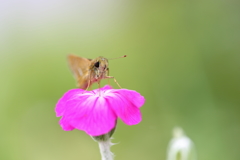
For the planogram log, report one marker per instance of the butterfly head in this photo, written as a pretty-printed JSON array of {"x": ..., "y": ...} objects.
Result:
[{"x": 100, "y": 64}]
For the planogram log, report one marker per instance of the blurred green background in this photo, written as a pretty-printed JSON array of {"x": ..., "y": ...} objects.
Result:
[{"x": 183, "y": 56}]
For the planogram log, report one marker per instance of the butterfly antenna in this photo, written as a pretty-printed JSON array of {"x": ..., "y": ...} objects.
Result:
[{"x": 118, "y": 57}]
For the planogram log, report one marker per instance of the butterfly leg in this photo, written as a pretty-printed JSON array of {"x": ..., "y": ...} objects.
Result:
[
  {"x": 88, "y": 85},
  {"x": 99, "y": 84},
  {"x": 99, "y": 91},
  {"x": 108, "y": 77}
]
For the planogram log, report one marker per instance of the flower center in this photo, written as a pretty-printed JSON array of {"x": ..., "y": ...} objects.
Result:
[{"x": 99, "y": 93}]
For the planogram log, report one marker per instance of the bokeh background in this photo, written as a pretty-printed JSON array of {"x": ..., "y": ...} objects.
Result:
[{"x": 183, "y": 56}]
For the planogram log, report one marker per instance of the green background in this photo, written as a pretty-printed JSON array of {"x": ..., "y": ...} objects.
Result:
[{"x": 183, "y": 57}]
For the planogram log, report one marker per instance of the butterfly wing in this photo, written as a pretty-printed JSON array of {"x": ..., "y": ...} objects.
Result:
[{"x": 80, "y": 69}]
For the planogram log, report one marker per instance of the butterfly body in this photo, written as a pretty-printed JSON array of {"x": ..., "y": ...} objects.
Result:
[{"x": 88, "y": 71}]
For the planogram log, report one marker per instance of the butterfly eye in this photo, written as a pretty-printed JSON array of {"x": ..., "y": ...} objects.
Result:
[{"x": 96, "y": 64}]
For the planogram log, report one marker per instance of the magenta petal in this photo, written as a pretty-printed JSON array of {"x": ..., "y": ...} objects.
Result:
[
  {"x": 136, "y": 98},
  {"x": 91, "y": 114},
  {"x": 124, "y": 103},
  {"x": 65, "y": 124},
  {"x": 106, "y": 87},
  {"x": 61, "y": 104},
  {"x": 96, "y": 111}
]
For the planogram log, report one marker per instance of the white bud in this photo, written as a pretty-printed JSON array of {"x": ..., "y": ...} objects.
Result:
[{"x": 181, "y": 147}]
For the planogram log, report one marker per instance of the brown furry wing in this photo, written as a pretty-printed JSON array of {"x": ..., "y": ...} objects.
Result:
[{"x": 80, "y": 69}]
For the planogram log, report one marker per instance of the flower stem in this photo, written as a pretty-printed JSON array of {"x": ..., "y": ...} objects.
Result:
[{"x": 104, "y": 146}]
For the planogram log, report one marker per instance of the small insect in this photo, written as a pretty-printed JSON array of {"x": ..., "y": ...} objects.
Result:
[{"x": 88, "y": 71}]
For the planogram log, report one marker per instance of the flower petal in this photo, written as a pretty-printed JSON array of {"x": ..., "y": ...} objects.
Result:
[
  {"x": 65, "y": 124},
  {"x": 61, "y": 104},
  {"x": 136, "y": 98},
  {"x": 96, "y": 111},
  {"x": 89, "y": 113},
  {"x": 105, "y": 87},
  {"x": 124, "y": 103}
]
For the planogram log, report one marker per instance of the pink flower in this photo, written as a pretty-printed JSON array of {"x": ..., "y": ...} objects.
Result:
[{"x": 96, "y": 111}]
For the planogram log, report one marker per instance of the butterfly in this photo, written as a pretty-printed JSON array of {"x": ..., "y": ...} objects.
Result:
[{"x": 89, "y": 71}]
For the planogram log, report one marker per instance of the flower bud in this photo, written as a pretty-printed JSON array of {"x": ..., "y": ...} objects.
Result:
[{"x": 181, "y": 147}]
